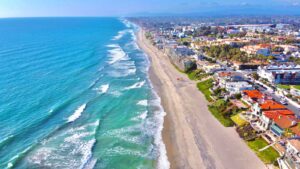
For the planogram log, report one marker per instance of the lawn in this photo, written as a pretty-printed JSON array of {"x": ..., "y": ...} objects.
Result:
[
  {"x": 238, "y": 120},
  {"x": 268, "y": 156},
  {"x": 204, "y": 88},
  {"x": 227, "y": 122},
  {"x": 297, "y": 87},
  {"x": 287, "y": 87},
  {"x": 197, "y": 74}
]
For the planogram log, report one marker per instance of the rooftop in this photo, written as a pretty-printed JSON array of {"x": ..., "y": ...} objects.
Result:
[
  {"x": 285, "y": 122},
  {"x": 271, "y": 105},
  {"x": 295, "y": 143},
  {"x": 254, "y": 94}
]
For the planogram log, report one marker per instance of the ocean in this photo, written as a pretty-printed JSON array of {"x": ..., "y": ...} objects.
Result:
[{"x": 75, "y": 94}]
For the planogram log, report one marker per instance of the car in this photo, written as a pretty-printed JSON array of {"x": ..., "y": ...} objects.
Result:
[{"x": 283, "y": 101}]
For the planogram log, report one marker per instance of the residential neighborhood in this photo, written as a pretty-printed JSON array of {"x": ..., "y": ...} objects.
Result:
[{"x": 249, "y": 74}]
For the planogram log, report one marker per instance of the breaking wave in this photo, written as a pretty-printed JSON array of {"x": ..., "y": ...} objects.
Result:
[
  {"x": 102, "y": 89},
  {"x": 143, "y": 102},
  {"x": 77, "y": 113},
  {"x": 120, "y": 34},
  {"x": 117, "y": 54},
  {"x": 136, "y": 85}
]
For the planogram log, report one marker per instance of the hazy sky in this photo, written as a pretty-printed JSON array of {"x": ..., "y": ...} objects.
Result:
[{"x": 25, "y": 8}]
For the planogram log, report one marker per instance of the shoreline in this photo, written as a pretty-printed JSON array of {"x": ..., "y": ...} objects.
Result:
[{"x": 192, "y": 136}]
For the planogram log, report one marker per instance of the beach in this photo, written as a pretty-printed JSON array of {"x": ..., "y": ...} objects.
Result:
[{"x": 193, "y": 137}]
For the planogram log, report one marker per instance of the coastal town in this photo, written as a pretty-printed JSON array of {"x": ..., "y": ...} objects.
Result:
[{"x": 249, "y": 72}]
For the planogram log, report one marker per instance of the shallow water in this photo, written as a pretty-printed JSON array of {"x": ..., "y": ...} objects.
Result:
[{"x": 75, "y": 94}]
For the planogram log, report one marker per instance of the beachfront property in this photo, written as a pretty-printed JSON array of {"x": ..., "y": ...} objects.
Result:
[
  {"x": 292, "y": 154},
  {"x": 269, "y": 119},
  {"x": 212, "y": 67},
  {"x": 237, "y": 87},
  {"x": 280, "y": 74},
  {"x": 232, "y": 82},
  {"x": 182, "y": 57}
]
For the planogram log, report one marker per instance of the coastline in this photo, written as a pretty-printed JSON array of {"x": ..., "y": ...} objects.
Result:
[{"x": 193, "y": 138}]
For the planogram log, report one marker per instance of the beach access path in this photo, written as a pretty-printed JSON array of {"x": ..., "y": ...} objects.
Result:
[{"x": 194, "y": 139}]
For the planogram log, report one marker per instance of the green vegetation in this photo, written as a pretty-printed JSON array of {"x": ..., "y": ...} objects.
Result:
[
  {"x": 268, "y": 156},
  {"x": 288, "y": 87},
  {"x": 294, "y": 59},
  {"x": 204, "y": 88},
  {"x": 255, "y": 76},
  {"x": 246, "y": 132},
  {"x": 227, "y": 122},
  {"x": 220, "y": 110},
  {"x": 227, "y": 52},
  {"x": 177, "y": 68},
  {"x": 238, "y": 120},
  {"x": 197, "y": 74}
]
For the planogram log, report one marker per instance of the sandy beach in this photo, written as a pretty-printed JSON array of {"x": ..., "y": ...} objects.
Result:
[{"x": 193, "y": 137}]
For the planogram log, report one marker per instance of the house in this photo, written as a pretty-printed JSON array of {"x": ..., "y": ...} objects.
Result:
[
  {"x": 292, "y": 155},
  {"x": 267, "y": 117},
  {"x": 237, "y": 87},
  {"x": 265, "y": 105},
  {"x": 280, "y": 74},
  {"x": 263, "y": 49},
  {"x": 212, "y": 68},
  {"x": 281, "y": 123},
  {"x": 252, "y": 96}
]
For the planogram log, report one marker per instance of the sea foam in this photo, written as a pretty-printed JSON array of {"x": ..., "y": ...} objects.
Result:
[
  {"x": 136, "y": 85},
  {"x": 103, "y": 88},
  {"x": 120, "y": 34},
  {"x": 142, "y": 102},
  {"x": 77, "y": 113},
  {"x": 117, "y": 54}
]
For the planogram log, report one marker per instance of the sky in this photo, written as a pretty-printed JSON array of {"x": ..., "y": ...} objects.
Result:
[{"x": 41, "y": 8}]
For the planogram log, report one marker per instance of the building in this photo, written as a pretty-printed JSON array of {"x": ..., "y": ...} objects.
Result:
[
  {"x": 182, "y": 57},
  {"x": 252, "y": 96},
  {"x": 280, "y": 74},
  {"x": 267, "y": 117},
  {"x": 237, "y": 87},
  {"x": 263, "y": 49},
  {"x": 212, "y": 67},
  {"x": 292, "y": 155},
  {"x": 265, "y": 105}
]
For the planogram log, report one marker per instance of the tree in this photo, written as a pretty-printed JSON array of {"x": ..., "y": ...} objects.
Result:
[
  {"x": 271, "y": 58},
  {"x": 255, "y": 76}
]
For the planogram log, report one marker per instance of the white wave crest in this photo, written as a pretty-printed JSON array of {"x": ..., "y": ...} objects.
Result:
[
  {"x": 112, "y": 46},
  {"x": 163, "y": 162},
  {"x": 120, "y": 34},
  {"x": 116, "y": 55},
  {"x": 142, "y": 116},
  {"x": 142, "y": 102},
  {"x": 77, "y": 113},
  {"x": 102, "y": 89},
  {"x": 77, "y": 142},
  {"x": 136, "y": 85}
]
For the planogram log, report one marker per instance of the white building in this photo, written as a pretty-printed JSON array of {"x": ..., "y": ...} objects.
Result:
[
  {"x": 237, "y": 87},
  {"x": 282, "y": 74}
]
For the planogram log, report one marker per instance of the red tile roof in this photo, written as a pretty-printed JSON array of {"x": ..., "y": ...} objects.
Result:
[
  {"x": 253, "y": 94},
  {"x": 285, "y": 122},
  {"x": 296, "y": 130},
  {"x": 286, "y": 112},
  {"x": 224, "y": 74},
  {"x": 295, "y": 143},
  {"x": 271, "y": 105}
]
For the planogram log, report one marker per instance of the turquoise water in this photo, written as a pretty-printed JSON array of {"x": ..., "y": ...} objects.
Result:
[{"x": 75, "y": 94}]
